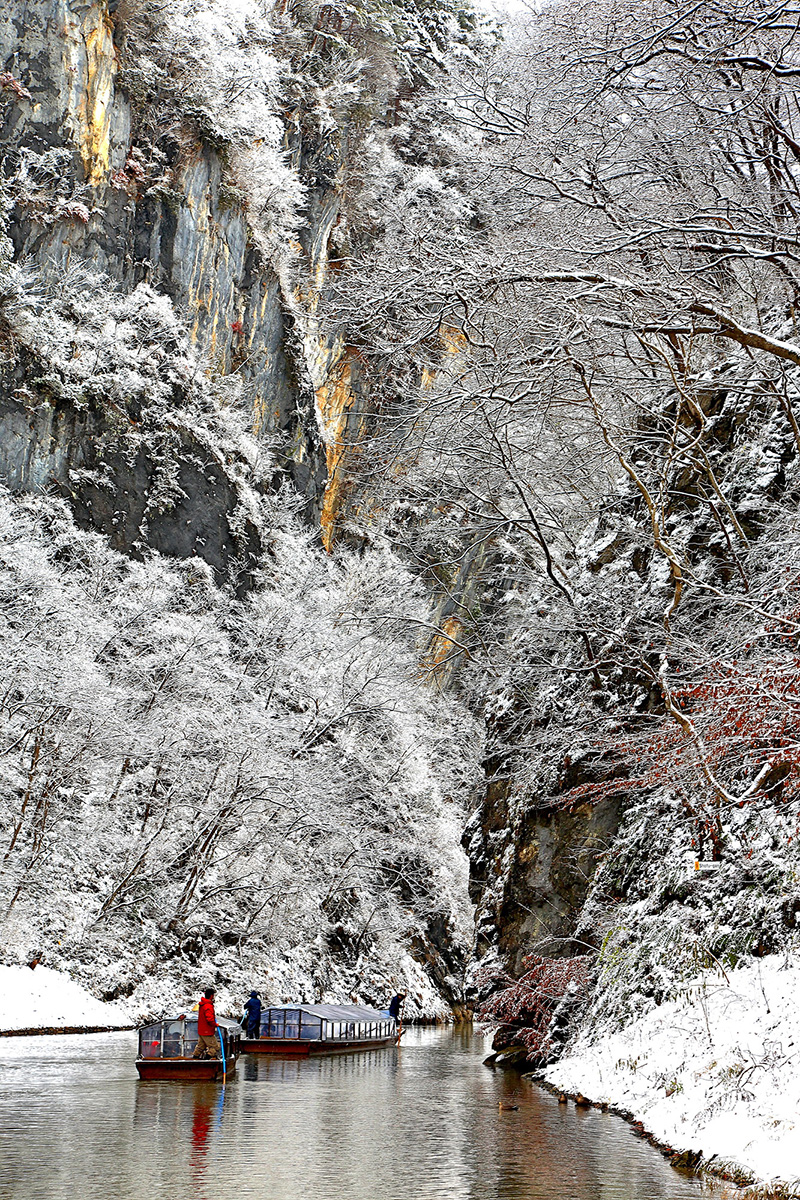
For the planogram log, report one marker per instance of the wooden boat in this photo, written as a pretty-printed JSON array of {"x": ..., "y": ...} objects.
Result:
[
  {"x": 304, "y": 1029},
  {"x": 166, "y": 1048}
]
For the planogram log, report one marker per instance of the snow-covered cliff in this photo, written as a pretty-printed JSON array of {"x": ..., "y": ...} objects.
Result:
[
  {"x": 214, "y": 766},
  {"x": 400, "y": 443}
]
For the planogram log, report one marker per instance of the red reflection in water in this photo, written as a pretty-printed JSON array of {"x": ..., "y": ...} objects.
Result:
[{"x": 201, "y": 1130}]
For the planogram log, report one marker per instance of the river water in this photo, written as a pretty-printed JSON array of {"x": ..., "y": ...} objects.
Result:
[{"x": 421, "y": 1122}]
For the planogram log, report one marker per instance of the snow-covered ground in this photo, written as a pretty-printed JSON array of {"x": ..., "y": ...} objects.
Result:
[
  {"x": 716, "y": 1070},
  {"x": 47, "y": 999}
]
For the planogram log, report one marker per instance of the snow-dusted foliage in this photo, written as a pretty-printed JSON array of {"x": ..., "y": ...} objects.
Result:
[
  {"x": 599, "y": 460},
  {"x": 228, "y": 762},
  {"x": 274, "y": 87},
  {"x": 213, "y": 67},
  {"x": 195, "y": 788},
  {"x": 129, "y": 352}
]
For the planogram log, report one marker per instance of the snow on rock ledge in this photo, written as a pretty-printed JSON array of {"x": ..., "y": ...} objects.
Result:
[
  {"x": 47, "y": 999},
  {"x": 716, "y": 1070}
]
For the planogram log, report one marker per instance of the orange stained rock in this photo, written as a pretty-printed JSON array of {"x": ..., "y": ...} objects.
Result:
[
  {"x": 260, "y": 423},
  {"x": 90, "y": 63},
  {"x": 428, "y": 378},
  {"x": 335, "y": 399},
  {"x": 443, "y": 645},
  {"x": 453, "y": 342},
  {"x": 453, "y": 339}
]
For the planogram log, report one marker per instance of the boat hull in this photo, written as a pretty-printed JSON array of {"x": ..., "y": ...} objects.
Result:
[
  {"x": 295, "y": 1048},
  {"x": 190, "y": 1069}
]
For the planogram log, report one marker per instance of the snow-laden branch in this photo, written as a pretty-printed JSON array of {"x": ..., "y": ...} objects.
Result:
[{"x": 754, "y": 338}]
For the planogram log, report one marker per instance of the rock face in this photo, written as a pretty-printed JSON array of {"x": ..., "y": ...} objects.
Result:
[
  {"x": 87, "y": 186},
  {"x": 532, "y": 869},
  {"x": 132, "y": 475}
]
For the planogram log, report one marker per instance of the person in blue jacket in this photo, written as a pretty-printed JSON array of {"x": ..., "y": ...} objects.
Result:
[
  {"x": 395, "y": 1005},
  {"x": 253, "y": 1010}
]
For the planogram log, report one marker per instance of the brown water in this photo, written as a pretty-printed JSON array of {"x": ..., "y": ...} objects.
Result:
[{"x": 418, "y": 1123}]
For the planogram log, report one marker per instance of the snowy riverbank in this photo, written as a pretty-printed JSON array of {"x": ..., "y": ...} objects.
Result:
[
  {"x": 43, "y": 999},
  {"x": 716, "y": 1071}
]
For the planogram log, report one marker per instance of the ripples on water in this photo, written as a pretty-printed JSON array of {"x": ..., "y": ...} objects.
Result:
[{"x": 418, "y": 1123}]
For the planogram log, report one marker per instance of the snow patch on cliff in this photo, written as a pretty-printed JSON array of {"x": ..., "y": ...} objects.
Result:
[
  {"x": 47, "y": 999},
  {"x": 715, "y": 1070}
]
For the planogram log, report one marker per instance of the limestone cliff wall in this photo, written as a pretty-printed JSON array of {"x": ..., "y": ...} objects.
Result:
[
  {"x": 87, "y": 187},
  {"x": 532, "y": 868}
]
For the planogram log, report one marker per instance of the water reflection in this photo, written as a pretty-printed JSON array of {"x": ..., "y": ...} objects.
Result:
[
  {"x": 419, "y": 1123},
  {"x": 201, "y": 1129}
]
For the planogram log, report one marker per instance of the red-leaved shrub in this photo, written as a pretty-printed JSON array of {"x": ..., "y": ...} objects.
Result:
[
  {"x": 526, "y": 1011},
  {"x": 727, "y": 738}
]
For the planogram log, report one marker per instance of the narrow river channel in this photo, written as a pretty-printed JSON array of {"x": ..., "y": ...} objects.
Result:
[{"x": 419, "y": 1123}]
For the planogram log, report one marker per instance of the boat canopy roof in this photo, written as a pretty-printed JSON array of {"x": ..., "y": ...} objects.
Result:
[
  {"x": 331, "y": 1012},
  {"x": 190, "y": 1016}
]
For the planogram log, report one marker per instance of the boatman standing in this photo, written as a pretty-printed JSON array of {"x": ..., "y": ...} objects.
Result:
[
  {"x": 207, "y": 1040},
  {"x": 253, "y": 1010},
  {"x": 396, "y": 1004}
]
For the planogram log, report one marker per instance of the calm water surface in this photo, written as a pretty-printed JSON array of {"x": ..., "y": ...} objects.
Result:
[{"x": 418, "y": 1123}]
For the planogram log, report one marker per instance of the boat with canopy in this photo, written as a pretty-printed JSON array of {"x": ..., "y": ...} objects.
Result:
[
  {"x": 304, "y": 1029},
  {"x": 166, "y": 1049}
]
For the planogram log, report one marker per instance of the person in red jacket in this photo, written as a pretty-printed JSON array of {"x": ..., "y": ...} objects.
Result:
[{"x": 207, "y": 1039}]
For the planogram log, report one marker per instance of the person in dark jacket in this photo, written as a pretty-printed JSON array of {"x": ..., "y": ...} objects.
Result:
[
  {"x": 395, "y": 1004},
  {"x": 253, "y": 1010},
  {"x": 207, "y": 1041}
]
